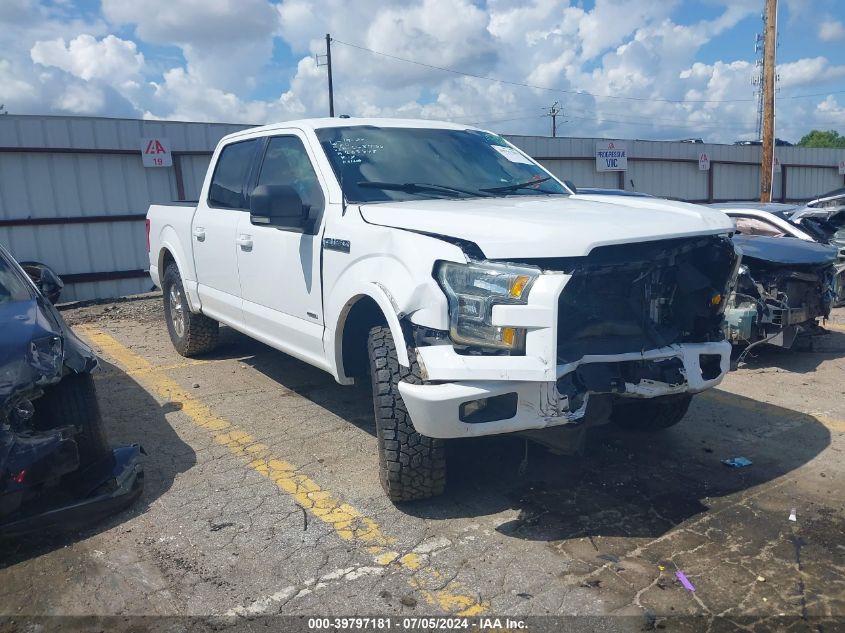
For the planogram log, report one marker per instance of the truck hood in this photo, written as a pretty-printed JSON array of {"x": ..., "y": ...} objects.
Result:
[{"x": 549, "y": 226}]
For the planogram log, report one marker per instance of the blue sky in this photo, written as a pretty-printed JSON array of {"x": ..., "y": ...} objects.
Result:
[{"x": 666, "y": 69}]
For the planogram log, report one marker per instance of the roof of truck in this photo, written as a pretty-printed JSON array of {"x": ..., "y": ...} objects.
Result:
[{"x": 328, "y": 122}]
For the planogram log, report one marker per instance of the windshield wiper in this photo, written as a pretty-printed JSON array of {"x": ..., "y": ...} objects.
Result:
[
  {"x": 415, "y": 187},
  {"x": 520, "y": 185}
]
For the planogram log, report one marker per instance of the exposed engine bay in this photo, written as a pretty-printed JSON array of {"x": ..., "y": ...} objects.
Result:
[
  {"x": 647, "y": 295},
  {"x": 783, "y": 287}
]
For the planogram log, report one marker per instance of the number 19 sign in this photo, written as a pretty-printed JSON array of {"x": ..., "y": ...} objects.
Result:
[
  {"x": 611, "y": 156},
  {"x": 155, "y": 152}
]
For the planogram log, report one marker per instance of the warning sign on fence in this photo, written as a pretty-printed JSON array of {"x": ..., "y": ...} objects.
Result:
[{"x": 155, "y": 152}]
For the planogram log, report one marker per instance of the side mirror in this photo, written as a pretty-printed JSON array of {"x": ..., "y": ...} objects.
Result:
[
  {"x": 48, "y": 282},
  {"x": 279, "y": 206},
  {"x": 570, "y": 185}
]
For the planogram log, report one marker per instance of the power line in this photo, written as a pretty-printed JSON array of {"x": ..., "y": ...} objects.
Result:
[{"x": 563, "y": 90}]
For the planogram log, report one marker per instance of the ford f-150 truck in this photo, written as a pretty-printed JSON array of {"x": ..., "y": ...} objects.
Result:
[{"x": 459, "y": 276}]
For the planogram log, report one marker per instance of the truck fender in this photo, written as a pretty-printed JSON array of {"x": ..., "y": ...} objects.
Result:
[
  {"x": 386, "y": 304},
  {"x": 169, "y": 241}
]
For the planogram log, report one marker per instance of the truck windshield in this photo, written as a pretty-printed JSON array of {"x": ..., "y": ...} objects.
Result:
[{"x": 378, "y": 164}]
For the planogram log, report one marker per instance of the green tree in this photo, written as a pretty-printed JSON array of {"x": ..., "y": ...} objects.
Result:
[{"x": 819, "y": 138}]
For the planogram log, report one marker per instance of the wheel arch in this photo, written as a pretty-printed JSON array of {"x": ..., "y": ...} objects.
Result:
[
  {"x": 367, "y": 308},
  {"x": 171, "y": 251}
]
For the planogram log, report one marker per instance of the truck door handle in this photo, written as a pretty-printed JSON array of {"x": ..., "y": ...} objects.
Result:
[
  {"x": 199, "y": 233},
  {"x": 245, "y": 242}
]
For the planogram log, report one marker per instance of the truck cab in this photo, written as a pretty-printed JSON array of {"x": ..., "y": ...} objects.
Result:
[{"x": 453, "y": 272}]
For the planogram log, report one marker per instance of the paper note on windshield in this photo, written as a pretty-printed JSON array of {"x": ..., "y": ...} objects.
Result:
[{"x": 512, "y": 155}]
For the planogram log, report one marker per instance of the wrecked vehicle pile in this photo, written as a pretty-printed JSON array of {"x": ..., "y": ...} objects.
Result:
[
  {"x": 56, "y": 468},
  {"x": 783, "y": 287},
  {"x": 786, "y": 282}
]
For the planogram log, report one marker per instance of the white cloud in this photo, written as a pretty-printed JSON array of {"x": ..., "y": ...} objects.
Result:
[
  {"x": 831, "y": 30},
  {"x": 830, "y": 113},
  {"x": 226, "y": 43},
  {"x": 210, "y": 59},
  {"x": 110, "y": 58}
]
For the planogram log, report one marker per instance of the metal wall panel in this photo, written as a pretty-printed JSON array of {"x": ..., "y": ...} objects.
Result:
[
  {"x": 193, "y": 174},
  {"x": 582, "y": 173},
  {"x": 40, "y": 185},
  {"x": 808, "y": 182}
]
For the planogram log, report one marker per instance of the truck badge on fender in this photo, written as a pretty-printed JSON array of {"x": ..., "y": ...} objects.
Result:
[{"x": 334, "y": 244}]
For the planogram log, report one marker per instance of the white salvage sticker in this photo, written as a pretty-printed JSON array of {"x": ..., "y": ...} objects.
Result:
[
  {"x": 155, "y": 152},
  {"x": 512, "y": 155}
]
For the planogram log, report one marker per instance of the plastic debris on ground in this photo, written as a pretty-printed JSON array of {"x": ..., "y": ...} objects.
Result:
[
  {"x": 737, "y": 462},
  {"x": 684, "y": 580},
  {"x": 793, "y": 515}
]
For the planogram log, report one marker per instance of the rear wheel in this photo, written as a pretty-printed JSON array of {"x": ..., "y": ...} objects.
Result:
[
  {"x": 654, "y": 414},
  {"x": 191, "y": 334},
  {"x": 411, "y": 466}
]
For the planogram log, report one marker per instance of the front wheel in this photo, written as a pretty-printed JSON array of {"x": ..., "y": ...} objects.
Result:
[
  {"x": 411, "y": 466},
  {"x": 74, "y": 401},
  {"x": 655, "y": 414},
  {"x": 191, "y": 334}
]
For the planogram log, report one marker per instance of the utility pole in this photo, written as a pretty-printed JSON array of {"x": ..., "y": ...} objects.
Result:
[
  {"x": 553, "y": 112},
  {"x": 329, "y": 64},
  {"x": 768, "y": 148}
]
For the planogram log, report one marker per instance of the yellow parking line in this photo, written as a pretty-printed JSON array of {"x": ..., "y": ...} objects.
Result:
[
  {"x": 764, "y": 408},
  {"x": 137, "y": 372},
  {"x": 347, "y": 522}
]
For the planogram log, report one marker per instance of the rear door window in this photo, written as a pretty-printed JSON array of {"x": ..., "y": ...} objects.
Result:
[{"x": 228, "y": 184}]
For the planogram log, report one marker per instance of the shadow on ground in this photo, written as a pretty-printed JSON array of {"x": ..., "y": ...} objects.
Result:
[
  {"x": 808, "y": 353},
  {"x": 625, "y": 484},
  {"x": 130, "y": 416}
]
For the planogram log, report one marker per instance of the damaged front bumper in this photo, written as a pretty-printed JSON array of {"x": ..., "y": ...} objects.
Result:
[
  {"x": 636, "y": 320},
  {"x": 471, "y": 408},
  {"x": 95, "y": 493}
]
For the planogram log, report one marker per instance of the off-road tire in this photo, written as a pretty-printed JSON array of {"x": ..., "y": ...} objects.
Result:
[
  {"x": 655, "y": 414},
  {"x": 200, "y": 333},
  {"x": 411, "y": 466},
  {"x": 74, "y": 401}
]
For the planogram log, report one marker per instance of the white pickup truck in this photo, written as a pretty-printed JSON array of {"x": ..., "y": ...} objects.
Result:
[{"x": 459, "y": 276}]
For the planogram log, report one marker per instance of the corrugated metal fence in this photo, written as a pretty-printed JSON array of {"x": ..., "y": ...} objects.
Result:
[
  {"x": 74, "y": 193},
  {"x": 73, "y": 190}
]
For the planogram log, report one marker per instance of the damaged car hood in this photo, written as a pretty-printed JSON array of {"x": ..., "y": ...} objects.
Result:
[
  {"x": 549, "y": 226},
  {"x": 785, "y": 250}
]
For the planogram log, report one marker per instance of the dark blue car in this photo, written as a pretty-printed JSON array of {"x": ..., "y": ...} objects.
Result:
[{"x": 57, "y": 470}]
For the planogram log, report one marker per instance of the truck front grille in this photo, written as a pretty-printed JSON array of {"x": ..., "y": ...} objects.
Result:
[{"x": 634, "y": 297}]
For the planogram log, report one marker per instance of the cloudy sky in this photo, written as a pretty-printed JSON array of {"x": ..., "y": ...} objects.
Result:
[{"x": 658, "y": 69}]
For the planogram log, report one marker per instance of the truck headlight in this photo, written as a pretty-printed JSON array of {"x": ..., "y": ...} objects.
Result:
[{"x": 473, "y": 289}]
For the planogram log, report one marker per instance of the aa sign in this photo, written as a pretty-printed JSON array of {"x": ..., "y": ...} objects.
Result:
[
  {"x": 704, "y": 161},
  {"x": 842, "y": 167},
  {"x": 155, "y": 152}
]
